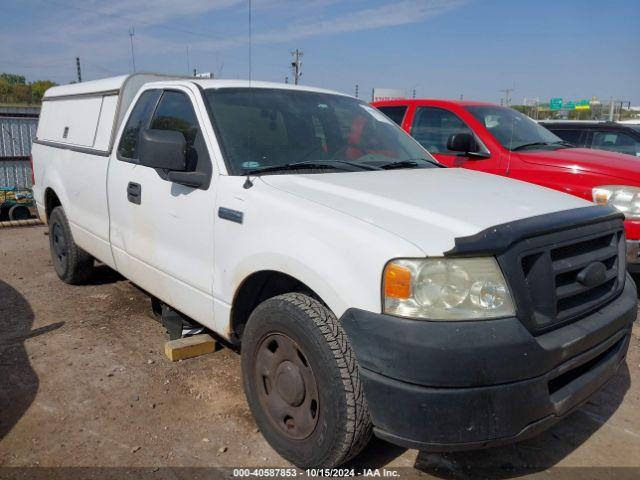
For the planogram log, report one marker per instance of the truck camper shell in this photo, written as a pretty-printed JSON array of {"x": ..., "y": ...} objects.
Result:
[{"x": 85, "y": 116}]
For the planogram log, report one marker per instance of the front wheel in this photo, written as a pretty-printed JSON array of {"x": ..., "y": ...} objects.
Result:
[
  {"x": 72, "y": 264},
  {"x": 302, "y": 383}
]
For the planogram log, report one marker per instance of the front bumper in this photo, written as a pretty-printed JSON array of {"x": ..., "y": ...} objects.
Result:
[
  {"x": 463, "y": 385},
  {"x": 633, "y": 256}
]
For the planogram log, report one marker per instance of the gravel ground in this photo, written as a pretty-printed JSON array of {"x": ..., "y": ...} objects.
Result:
[{"x": 84, "y": 383}]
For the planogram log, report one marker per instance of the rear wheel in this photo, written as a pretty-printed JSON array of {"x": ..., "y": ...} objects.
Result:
[
  {"x": 302, "y": 383},
  {"x": 72, "y": 264}
]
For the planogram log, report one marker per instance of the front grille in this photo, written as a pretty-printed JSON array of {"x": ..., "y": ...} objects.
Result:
[{"x": 543, "y": 272}]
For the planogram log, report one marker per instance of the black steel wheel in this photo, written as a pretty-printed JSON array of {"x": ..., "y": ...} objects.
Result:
[
  {"x": 286, "y": 386},
  {"x": 72, "y": 264},
  {"x": 302, "y": 382}
]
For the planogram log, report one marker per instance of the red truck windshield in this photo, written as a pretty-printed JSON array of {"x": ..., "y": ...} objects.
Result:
[{"x": 514, "y": 130}]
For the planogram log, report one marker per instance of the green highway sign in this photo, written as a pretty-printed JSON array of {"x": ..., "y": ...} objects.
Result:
[
  {"x": 570, "y": 105},
  {"x": 555, "y": 104},
  {"x": 582, "y": 105}
]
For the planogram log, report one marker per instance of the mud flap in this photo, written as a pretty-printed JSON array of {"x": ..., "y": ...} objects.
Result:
[{"x": 177, "y": 325}]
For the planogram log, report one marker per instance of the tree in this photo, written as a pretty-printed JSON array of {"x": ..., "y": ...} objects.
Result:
[
  {"x": 15, "y": 89},
  {"x": 5, "y": 88},
  {"x": 39, "y": 87},
  {"x": 13, "y": 79},
  {"x": 22, "y": 93}
]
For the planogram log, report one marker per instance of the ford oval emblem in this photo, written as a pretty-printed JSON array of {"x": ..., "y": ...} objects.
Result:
[{"x": 592, "y": 275}]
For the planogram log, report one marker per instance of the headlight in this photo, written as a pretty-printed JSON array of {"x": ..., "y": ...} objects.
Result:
[
  {"x": 626, "y": 199},
  {"x": 446, "y": 289}
]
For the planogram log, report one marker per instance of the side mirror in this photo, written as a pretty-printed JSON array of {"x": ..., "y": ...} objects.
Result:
[
  {"x": 462, "y": 142},
  {"x": 163, "y": 149},
  {"x": 466, "y": 143}
]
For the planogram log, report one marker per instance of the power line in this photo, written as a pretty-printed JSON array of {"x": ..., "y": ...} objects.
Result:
[{"x": 135, "y": 20}]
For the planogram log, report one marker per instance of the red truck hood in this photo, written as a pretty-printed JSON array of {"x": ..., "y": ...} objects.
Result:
[{"x": 609, "y": 164}]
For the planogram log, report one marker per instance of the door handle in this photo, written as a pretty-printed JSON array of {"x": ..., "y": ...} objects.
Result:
[{"x": 134, "y": 193}]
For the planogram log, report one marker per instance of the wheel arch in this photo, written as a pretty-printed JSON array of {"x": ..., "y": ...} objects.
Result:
[
  {"x": 51, "y": 201},
  {"x": 258, "y": 287}
]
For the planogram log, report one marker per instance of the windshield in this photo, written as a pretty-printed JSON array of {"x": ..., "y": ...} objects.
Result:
[
  {"x": 262, "y": 128},
  {"x": 513, "y": 129}
]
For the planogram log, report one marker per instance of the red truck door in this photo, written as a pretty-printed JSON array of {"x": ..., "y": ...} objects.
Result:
[{"x": 432, "y": 127}]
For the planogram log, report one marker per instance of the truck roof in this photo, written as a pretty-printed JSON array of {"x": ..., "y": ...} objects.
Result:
[
  {"x": 223, "y": 83},
  {"x": 432, "y": 101},
  {"x": 116, "y": 84}
]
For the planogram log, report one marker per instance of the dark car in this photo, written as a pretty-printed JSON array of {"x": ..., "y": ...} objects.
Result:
[{"x": 612, "y": 136}]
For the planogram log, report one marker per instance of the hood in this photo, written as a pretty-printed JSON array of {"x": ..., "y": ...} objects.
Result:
[
  {"x": 610, "y": 164},
  {"x": 427, "y": 207}
]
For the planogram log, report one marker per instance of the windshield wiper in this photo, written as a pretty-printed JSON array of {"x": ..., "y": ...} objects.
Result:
[
  {"x": 564, "y": 144},
  {"x": 311, "y": 164},
  {"x": 560, "y": 143},
  {"x": 532, "y": 144},
  {"x": 409, "y": 163}
]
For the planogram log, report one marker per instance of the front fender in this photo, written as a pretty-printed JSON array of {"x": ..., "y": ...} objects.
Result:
[{"x": 341, "y": 258}]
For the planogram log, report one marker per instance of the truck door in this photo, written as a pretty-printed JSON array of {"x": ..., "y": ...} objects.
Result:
[
  {"x": 433, "y": 126},
  {"x": 161, "y": 232}
]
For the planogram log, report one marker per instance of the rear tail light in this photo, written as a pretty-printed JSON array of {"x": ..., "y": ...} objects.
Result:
[{"x": 33, "y": 173}]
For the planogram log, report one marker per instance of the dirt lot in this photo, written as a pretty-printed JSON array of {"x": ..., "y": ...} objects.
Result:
[{"x": 84, "y": 382}]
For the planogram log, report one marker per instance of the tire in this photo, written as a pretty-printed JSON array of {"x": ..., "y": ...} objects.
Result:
[
  {"x": 72, "y": 264},
  {"x": 19, "y": 212},
  {"x": 294, "y": 337}
]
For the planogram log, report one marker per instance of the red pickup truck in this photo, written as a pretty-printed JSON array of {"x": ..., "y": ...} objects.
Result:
[{"x": 502, "y": 141}]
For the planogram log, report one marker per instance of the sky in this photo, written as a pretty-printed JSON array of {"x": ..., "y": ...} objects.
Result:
[{"x": 573, "y": 49}]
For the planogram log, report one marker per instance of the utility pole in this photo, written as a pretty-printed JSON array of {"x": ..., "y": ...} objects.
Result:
[
  {"x": 78, "y": 69},
  {"x": 132, "y": 33},
  {"x": 296, "y": 65},
  {"x": 611, "y": 109},
  {"x": 507, "y": 95}
]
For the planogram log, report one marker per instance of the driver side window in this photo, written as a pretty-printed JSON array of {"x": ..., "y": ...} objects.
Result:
[
  {"x": 175, "y": 112},
  {"x": 432, "y": 128}
]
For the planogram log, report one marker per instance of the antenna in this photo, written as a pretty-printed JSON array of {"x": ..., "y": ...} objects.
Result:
[
  {"x": 250, "y": 59},
  {"x": 248, "y": 183},
  {"x": 188, "y": 64},
  {"x": 132, "y": 33}
]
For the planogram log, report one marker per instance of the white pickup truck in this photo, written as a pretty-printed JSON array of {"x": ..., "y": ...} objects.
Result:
[{"x": 367, "y": 288}]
